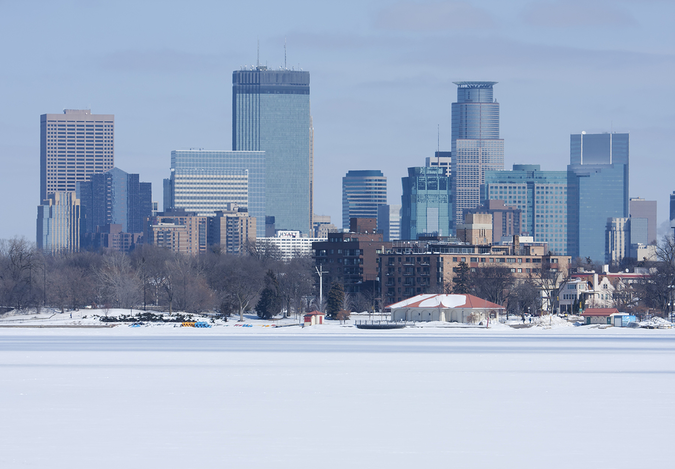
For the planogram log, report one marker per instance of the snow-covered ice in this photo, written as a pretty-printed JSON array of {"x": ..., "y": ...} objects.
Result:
[{"x": 334, "y": 397}]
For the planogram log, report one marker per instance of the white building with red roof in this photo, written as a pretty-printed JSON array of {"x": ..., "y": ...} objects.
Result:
[{"x": 445, "y": 307}]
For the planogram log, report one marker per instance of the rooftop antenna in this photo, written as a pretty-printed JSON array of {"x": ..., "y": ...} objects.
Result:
[
  {"x": 284, "y": 53},
  {"x": 258, "y": 58}
]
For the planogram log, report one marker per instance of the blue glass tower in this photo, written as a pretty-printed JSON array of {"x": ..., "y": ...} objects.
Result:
[
  {"x": 362, "y": 193},
  {"x": 114, "y": 197},
  {"x": 542, "y": 198},
  {"x": 426, "y": 203},
  {"x": 476, "y": 146},
  {"x": 598, "y": 190},
  {"x": 270, "y": 113}
]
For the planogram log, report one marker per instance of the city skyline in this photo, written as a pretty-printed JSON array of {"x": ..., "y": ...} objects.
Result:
[{"x": 381, "y": 83}]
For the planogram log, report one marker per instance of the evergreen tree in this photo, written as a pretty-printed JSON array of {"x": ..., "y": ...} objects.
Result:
[
  {"x": 461, "y": 283},
  {"x": 270, "y": 302},
  {"x": 335, "y": 300}
]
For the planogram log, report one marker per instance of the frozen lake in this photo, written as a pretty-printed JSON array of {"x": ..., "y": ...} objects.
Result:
[{"x": 298, "y": 399}]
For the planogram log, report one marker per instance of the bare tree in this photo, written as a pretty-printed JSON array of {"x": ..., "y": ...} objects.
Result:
[
  {"x": 492, "y": 283},
  {"x": 118, "y": 283},
  {"x": 19, "y": 267}
]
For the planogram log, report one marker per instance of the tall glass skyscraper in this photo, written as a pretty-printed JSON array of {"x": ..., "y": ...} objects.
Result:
[
  {"x": 476, "y": 146},
  {"x": 362, "y": 193},
  {"x": 426, "y": 203},
  {"x": 598, "y": 190},
  {"x": 270, "y": 113}
]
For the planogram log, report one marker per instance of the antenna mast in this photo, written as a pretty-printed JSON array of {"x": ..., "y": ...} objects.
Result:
[
  {"x": 258, "y": 56},
  {"x": 285, "y": 53}
]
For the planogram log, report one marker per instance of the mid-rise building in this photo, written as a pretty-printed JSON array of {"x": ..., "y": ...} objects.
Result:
[
  {"x": 426, "y": 203},
  {"x": 597, "y": 190},
  {"x": 362, "y": 193},
  {"x": 672, "y": 212},
  {"x": 58, "y": 223},
  {"x": 351, "y": 259},
  {"x": 541, "y": 197},
  {"x": 207, "y": 181},
  {"x": 410, "y": 268},
  {"x": 271, "y": 113},
  {"x": 233, "y": 230},
  {"x": 476, "y": 146},
  {"x": 506, "y": 220},
  {"x": 182, "y": 232},
  {"x": 74, "y": 145},
  {"x": 288, "y": 244},
  {"x": 641, "y": 208}
]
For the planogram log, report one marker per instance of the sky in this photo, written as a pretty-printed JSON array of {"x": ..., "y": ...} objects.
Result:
[{"x": 382, "y": 78}]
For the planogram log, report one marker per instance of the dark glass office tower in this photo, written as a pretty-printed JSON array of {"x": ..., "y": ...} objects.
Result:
[
  {"x": 362, "y": 193},
  {"x": 270, "y": 113},
  {"x": 114, "y": 197},
  {"x": 476, "y": 146},
  {"x": 598, "y": 190}
]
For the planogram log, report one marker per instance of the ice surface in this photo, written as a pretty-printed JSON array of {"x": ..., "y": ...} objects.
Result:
[{"x": 336, "y": 397}]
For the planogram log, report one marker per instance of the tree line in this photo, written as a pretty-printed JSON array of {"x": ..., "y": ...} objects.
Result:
[{"x": 151, "y": 278}]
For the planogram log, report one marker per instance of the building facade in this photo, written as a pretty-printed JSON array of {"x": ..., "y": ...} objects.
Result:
[
  {"x": 58, "y": 223},
  {"x": 207, "y": 181},
  {"x": 541, "y": 197},
  {"x": 506, "y": 220},
  {"x": 426, "y": 203},
  {"x": 442, "y": 159},
  {"x": 362, "y": 193},
  {"x": 641, "y": 208},
  {"x": 597, "y": 190},
  {"x": 288, "y": 244},
  {"x": 74, "y": 145},
  {"x": 271, "y": 113},
  {"x": 182, "y": 232},
  {"x": 476, "y": 146},
  {"x": 389, "y": 222},
  {"x": 233, "y": 230},
  {"x": 113, "y": 198}
]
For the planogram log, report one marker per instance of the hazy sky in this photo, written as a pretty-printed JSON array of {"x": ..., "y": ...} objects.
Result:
[{"x": 381, "y": 81}]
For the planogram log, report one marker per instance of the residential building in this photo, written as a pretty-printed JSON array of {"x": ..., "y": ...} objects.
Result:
[
  {"x": 351, "y": 259},
  {"x": 641, "y": 208},
  {"x": 207, "y": 181},
  {"x": 111, "y": 237},
  {"x": 363, "y": 192},
  {"x": 74, "y": 145},
  {"x": 182, "y": 232},
  {"x": 506, "y": 220},
  {"x": 389, "y": 222},
  {"x": 232, "y": 229},
  {"x": 426, "y": 203},
  {"x": 541, "y": 197},
  {"x": 597, "y": 190},
  {"x": 113, "y": 198},
  {"x": 271, "y": 113},
  {"x": 409, "y": 268},
  {"x": 58, "y": 223},
  {"x": 476, "y": 146}
]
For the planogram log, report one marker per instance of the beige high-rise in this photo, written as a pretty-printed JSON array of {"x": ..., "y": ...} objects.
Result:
[{"x": 74, "y": 145}]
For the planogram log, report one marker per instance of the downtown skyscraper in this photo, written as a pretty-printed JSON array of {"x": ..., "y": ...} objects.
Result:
[
  {"x": 271, "y": 113},
  {"x": 598, "y": 190},
  {"x": 363, "y": 191},
  {"x": 476, "y": 146},
  {"x": 74, "y": 145}
]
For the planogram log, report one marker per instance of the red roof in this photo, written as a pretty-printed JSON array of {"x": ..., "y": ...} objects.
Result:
[
  {"x": 314, "y": 313},
  {"x": 445, "y": 301},
  {"x": 600, "y": 311}
]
